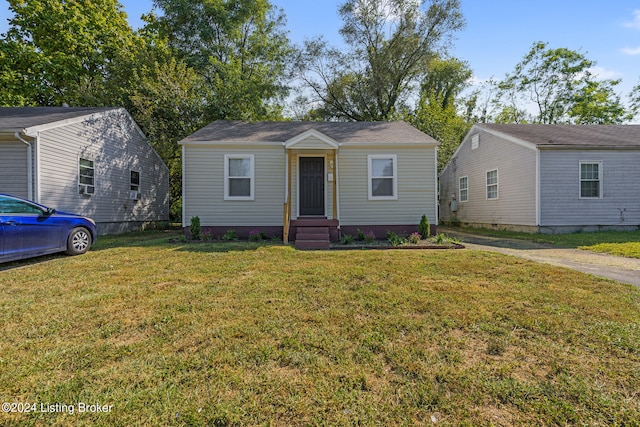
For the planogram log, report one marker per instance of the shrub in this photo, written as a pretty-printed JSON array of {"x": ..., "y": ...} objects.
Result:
[
  {"x": 369, "y": 236},
  {"x": 395, "y": 239},
  {"x": 346, "y": 239},
  {"x": 230, "y": 235},
  {"x": 360, "y": 235},
  {"x": 424, "y": 228},
  {"x": 194, "y": 229},
  {"x": 256, "y": 236},
  {"x": 415, "y": 238}
]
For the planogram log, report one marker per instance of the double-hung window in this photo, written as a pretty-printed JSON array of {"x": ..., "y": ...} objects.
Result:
[
  {"x": 464, "y": 189},
  {"x": 238, "y": 177},
  {"x": 135, "y": 181},
  {"x": 492, "y": 184},
  {"x": 590, "y": 180},
  {"x": 86, "y": 176},
  {"x": 383, "y": 177}
]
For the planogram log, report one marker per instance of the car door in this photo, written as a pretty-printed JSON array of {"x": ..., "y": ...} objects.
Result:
[{"x": 28, "y": 229}]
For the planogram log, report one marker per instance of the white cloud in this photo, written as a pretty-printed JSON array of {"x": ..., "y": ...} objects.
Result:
[
  {"x": 636, "y": 20},
  {"x": 604, "y": 74},
  {"x": 631, "y": 50}
]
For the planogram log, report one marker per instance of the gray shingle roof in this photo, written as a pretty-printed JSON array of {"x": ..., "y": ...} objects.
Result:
[
  {"x": 365, "y": 132},
  {"x": 572, "y": 135},
  {"x": 17, "y": 118}
]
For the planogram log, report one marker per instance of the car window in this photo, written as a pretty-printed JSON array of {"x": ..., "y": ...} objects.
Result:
[{"x": 13, "y": 206}]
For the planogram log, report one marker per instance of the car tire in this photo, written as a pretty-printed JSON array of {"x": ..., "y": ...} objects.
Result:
[{"x": 79, "y": 241}]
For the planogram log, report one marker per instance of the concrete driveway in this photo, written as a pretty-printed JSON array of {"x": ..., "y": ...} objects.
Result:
[{"x": 625, "y": 270}]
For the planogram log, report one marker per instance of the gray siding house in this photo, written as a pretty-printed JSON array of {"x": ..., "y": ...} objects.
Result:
[
  {"x": 91, "y": 161},
  {"x": 544, "y": 178},
  {"x": 308, "y": 181}
]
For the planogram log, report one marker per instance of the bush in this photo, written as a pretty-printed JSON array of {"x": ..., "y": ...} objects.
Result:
[
  {"x": 346, "y": 239},
  {"x": 424, "y": 228},
  {"x": 194, "y": 229},
  {"x": 395, "y": 239},
  {"x": 256, "y": 236},
  {"x": 360, "y": 235},
  {"x": 230, "y": 235},
  {"x": 415, "y": 238},
  {"x": 369, "y": 236}
]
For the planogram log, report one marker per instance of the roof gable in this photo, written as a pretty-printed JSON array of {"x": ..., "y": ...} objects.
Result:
[{"x": 311, "y": 139}]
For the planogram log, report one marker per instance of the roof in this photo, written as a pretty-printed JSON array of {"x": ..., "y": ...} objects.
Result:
[
  {"x": 16, "y": 119},
  {"x": 546, "y": 136},
  {"x": 364, "y": 132}
]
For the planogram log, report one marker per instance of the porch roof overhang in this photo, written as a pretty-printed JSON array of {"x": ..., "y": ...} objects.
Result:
[{"x": 311, "y": 139}]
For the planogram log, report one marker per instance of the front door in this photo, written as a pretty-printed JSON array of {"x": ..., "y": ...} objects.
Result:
[{"x": 311, "y": 186}]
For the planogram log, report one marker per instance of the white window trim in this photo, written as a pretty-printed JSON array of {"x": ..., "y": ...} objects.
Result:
[
  {"x": 600, "y": 179},
  {"x": 139, "y": 180},
  {"x": 228, "y": 157},
  {"x": 394, "y": 177},
  {"x": 497, "y": 184},
  {"x": 94, "y": 175},
  {"x": 460, "y": 189}
]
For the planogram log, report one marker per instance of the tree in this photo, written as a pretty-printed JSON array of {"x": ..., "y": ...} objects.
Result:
[
  {"x": 238, "y": 47},
  {"x": 62, "y": 51},
  {"x": 559, "y": 85},
  {"x": 390, "y": 44}
]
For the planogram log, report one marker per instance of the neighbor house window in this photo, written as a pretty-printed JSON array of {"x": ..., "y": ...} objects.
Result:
[
  {"x": 383, "y": 178},
  {"x": 492, "y": 184},
  {"x": 135, "y": 181},
  {"x": 238, "y": 176},
  {"x": 464, "y": 189},
  {"x": 86, "y": 176},
  {"x": 590, "y": 180}
]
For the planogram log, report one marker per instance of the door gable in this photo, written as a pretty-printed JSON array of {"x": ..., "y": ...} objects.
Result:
[{"x": 311, "y": 139}]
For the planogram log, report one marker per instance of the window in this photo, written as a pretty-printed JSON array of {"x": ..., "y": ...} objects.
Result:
[
  {"x": 135, "y": 181},
  {"x": 86, "y": 177},
  {"x": 590, "y": 181},
  {"x": 464, "y": 189},
  {"x": 13, "y": 206},
  {"x": 492, "y": 184},
  {"x": 238, "y": 177},
  {"x": 383, "y": 182}
]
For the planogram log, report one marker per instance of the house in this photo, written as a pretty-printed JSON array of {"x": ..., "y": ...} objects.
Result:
[
  {"x": 308, "y": 181},
  {"x": 544, "y": 178},
  {"x": 91, "y": 161}
]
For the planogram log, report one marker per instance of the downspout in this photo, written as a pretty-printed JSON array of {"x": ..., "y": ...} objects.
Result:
[{"x": 29, "y": 165}]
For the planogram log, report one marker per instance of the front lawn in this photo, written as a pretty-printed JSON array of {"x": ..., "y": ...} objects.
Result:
[
  {"x": 619, "y": 243},
  {"x": 261, "y": 334}
]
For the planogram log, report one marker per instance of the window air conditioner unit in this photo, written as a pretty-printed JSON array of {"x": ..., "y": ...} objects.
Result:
[
  {"x": 134, "y": 195},
  {"x": 83, "y": 189}
]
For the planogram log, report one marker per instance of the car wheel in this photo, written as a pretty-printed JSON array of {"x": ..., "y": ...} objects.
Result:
[{"x": 79, "y": 241}]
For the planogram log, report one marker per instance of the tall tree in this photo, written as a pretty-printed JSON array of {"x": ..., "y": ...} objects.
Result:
[
  {"x": 239, "y": 47},
  {"x": 559, "y": 85},
  {"x": 62, "y": 51},
  {"x": 390, "y": 44}
]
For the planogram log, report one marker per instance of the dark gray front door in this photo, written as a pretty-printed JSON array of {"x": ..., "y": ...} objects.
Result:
[{"x": 311, "y": 186}]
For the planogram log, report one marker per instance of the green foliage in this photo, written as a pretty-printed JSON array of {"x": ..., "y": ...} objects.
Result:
[
  {"x": 194, "y": 228},
  {"x": 415, "y": 237},
  {"x": 394, "y": 239},
  {"x": 346, "y": 239},
  {"x": 360, "y": 236},
  {"x": 562, "y": 88},
  {"x": 230, "y": 235},
  {"x": 256, "y": 236},
  {"x": 369, "y": 237},
  {"x": 424, "y": 228},
  {"x": 390, "y": 44}
]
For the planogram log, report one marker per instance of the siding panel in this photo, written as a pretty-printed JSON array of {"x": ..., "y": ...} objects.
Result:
[{"x": 14, "y": 169}]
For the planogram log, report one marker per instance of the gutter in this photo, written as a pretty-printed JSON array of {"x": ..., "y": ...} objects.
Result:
[{"x": 29, "y": 164}]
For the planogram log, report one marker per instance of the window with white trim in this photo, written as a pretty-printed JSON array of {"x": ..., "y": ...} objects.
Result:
[
  {"x": 383, "y": 179},
  {"x": 590, "y": 180},
  {"x": 86, "y": 176},
  {"x": 464, "y": 189},
  {"x": 492, "y": 184},
  {"x": 135, "y": 181},
  {"x": 238, "y": 176}
]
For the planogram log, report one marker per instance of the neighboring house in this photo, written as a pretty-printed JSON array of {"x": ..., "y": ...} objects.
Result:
[
  {"x": 544, "y": 178},
  {"x": 91, "y": 161},
  {"x": 308, "y": 180}
]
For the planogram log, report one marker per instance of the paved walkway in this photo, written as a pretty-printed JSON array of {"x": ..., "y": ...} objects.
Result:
[{"x": 626, "y": 270}]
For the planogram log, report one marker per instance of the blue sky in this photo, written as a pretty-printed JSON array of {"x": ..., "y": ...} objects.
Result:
[{"x": 498, "y": 32}]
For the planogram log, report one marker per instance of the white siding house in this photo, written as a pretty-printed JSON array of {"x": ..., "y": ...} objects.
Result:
[
  {"x": 548, "y": 178},
  {"x": 91, "y": 161},
  {"x": 280, "y": 177}
]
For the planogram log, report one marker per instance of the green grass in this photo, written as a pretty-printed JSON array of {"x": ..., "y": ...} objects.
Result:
[
  {"x": 620, "y": 243},
  {"x": 260, "y": 334}
]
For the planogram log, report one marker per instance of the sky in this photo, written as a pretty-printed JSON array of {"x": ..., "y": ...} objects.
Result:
[{"x": 498, "y": 33}]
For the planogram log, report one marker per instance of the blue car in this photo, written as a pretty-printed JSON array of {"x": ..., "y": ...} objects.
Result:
[{"x": 28, "y": 229}]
